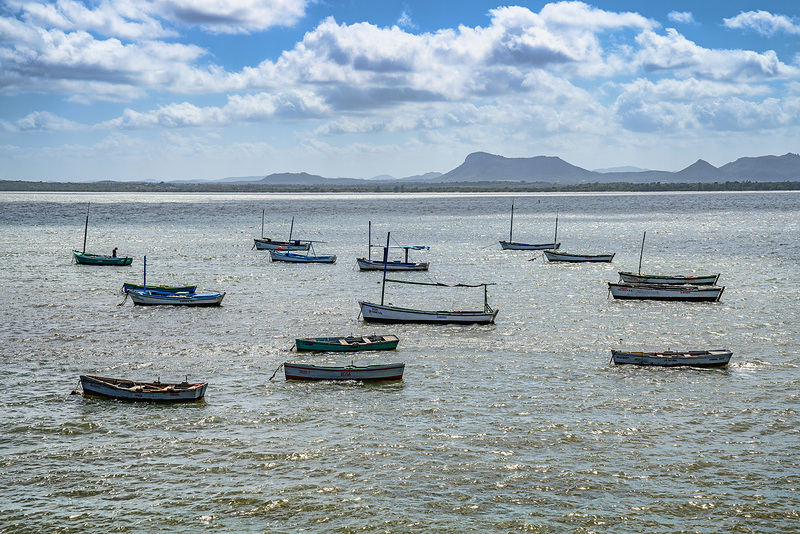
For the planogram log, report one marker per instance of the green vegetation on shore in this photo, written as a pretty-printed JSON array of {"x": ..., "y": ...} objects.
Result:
[{"x": 387, "y": 187}]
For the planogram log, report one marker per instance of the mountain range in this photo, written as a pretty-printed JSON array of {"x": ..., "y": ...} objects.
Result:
[{"x": 484, "y": 167}]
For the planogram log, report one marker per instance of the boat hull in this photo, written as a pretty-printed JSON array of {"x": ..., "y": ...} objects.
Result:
[
  {"x": 692, "y": 358},
  {"x": 511, "y": 245},
  {"x": 158, "y": 298},
  {"x": 129, "y": 390},
  {"x": 84, "y": 258},
  {"x": 376, "y": 313},
  {"x": 346, "y": 344},
  {"x": 166, "y": 289},
  {"x": 269, "y": 244},
  {"x": 378, "y": 265},
  {"x": 665, "y": 292},
  {"x": 633, "y": 278},
  {"x": 298, "y": 371},
  {"x": 276, "y": 255},
  {"x": 577, "y": 258}
]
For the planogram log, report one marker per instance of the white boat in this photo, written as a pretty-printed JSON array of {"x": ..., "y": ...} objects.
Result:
[
  {"x": 118, "y": 388},
  {"x": 368, "y": 264},
  {"x": 309, "y": 257},
  {"x": 145, "y": 295},
  {"x": 515, "y": 245},
  {"x": 299, "y": 371},
  {"x": 381, "y": 313},
  {"x": 577, "y": 258},
  {"x": 265, "y": 243},
  {"x": 625, "y": 291},
  {"x": 566, "y": 257},
  {"x": 678, "y": 279},
  {"x": 155, "y": 297},
  {"x": 674, "y": 358}
]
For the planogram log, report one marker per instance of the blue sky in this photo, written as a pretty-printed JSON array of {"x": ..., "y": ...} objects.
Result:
[{"x": 208, "y": 89}]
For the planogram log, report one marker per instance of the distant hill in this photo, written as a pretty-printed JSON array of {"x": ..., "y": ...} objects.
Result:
[{"x": 483, "y": 167}]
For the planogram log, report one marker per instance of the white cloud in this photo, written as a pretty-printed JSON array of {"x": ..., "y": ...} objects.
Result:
[
  {"x": 681, "y": 17},
  {"x": 232, "y": 16},
  {"x": 764, "y": 23},
  {"x": 674, "y": 53}
]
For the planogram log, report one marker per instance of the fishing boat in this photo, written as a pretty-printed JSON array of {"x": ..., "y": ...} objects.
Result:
[
  {"x": 155, "y": 296},
  {"x": 677, "y": 279},
  {"x": 309, "y": 257},
  {"x": 118, "y": 388},
  {"x": 381, "y": 313},
  {"x": 265, "y": 243},
  {"x": 368, "y": 264},
  {"x": 553, "y": 256},
  {"x": 674, "y": 358},
  {"x": 166, "y": 289},
  {"x": 624, "y": 291},
  {"x": 347, "y": 343},
  {"x": 299, "y": 371},
  {"x": 515, "y": 245},
  {"x": 577, "y": 258},
  {"x": 85, "y": 258}
]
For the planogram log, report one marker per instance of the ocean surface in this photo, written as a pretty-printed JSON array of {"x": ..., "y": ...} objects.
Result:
[{"x": 520, "y": 426}]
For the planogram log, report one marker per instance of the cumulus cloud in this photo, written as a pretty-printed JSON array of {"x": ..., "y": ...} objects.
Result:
[
  {"x": 674, "y": 53},
  {"x": 764, "y": 23},
  {"x": 232, "y": 16}
]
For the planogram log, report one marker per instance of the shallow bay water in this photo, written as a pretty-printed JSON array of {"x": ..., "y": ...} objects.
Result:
[{"x": 521, "y": 426}]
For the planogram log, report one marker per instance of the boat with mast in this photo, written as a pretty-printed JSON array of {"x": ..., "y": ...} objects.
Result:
[
  {"x": 368, "y": 264},
  {"x": 515, "y": 245},
  {"x": 676, "y": 279},
  {"x": 565, "y": 257},
  {"x": 148, "y": 296},
  {"x": 86, "y": 258},
  {"x": 265, "y": 243},
  {"x": 309, "y": 257},
  {"x": 382, "y": 313}
]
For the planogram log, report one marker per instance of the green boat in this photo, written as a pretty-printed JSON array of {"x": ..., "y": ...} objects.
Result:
[
  {"x": 346, "y": 344},
  {"x": 86, "y": 258},
  {"x": 166, "y": 289}
]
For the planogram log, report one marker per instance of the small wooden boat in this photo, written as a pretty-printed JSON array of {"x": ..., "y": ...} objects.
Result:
[
  {"x": 85, "y": 258},
  {"x": 677, "y": 279},
  {"x": 166, "y": 289},
  {"x": 697, "y": 280},
  {"x": 118, "y": 388},
  {"x": 380, "y": 313},
  {"x": 290, "y": 257},
  {"x": 309, "y": 257},
  {"x": 299, "y": 371},
  {"x": 577, "y": 258},
  {"x": 265, "y": 243},
  {"x": 368, "y": 264},
  {"x": 514, "y": 245},
  {"x": 565, "y": 257},
  {"x": 346, "y": 344},
  {"x": 154, "y": 297},
  {"x": 674, "y": 358},
  {"x": 665, "y": 292}
]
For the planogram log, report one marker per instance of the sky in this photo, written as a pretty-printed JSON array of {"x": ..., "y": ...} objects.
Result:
[{"x": 209, "y": 89}]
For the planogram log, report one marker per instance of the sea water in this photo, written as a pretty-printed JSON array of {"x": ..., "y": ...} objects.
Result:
[{"x": 520, "y": 426}]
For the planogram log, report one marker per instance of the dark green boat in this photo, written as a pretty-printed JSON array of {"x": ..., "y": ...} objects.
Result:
[
  {"x": 86, "y": 258},
  {"x": 166, "y": 289},
  {"x": 347, "y": 344}
]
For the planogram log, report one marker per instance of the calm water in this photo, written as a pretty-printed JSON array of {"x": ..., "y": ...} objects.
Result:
[{"x": 522, "y": 426}]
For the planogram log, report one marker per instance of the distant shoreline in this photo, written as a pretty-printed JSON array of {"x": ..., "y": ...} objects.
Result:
[{"x": 387, "y": 187}]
